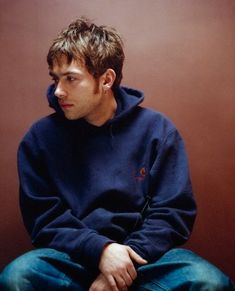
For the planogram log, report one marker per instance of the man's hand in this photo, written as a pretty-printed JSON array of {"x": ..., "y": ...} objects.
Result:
[
  {"x": 116, "y": 264},
  {"x": 100, "y": 284}
]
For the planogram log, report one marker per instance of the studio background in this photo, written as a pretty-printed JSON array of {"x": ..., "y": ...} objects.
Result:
[{"x": 181, "y": 53}]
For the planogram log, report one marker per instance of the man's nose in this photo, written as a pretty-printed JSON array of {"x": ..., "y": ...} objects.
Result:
[{"x": 60, "y": 91}]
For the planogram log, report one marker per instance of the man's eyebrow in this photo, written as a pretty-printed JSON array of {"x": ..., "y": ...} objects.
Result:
[{"x": 52, "y": 74}]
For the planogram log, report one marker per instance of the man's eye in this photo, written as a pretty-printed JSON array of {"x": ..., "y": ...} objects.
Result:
[{"x": 70, "y": 78}]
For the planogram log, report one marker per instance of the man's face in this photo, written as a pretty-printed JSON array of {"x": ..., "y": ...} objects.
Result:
[{"x": 79, "y": 94}]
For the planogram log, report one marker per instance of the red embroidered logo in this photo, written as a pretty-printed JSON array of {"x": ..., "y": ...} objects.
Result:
[{"x": 141, "y": 174}]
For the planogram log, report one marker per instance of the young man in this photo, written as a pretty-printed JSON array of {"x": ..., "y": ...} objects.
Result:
[{"x": 105, "y": 191}]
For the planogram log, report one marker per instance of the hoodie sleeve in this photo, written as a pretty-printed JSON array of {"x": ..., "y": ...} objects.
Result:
[
  {"x": 168, "y": 219},
  {"x": 46, "y": 216}
]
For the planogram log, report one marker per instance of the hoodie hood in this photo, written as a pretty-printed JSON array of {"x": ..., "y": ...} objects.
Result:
[{"x": 127, "y": 100}]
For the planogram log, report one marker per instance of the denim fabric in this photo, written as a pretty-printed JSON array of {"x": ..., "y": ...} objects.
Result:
[
  {"x": 181, "y": 269},
  {"x": 48, "y": 269}
]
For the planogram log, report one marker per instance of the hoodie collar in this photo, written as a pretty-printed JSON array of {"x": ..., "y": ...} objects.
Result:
[{"x": 127, "y": 100}]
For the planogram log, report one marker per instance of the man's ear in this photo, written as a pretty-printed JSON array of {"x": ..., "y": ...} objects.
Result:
[{"x": 108, "y": 77}]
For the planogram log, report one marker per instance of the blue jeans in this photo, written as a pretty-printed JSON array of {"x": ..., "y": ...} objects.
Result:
[{"x": 48, "y": 269}]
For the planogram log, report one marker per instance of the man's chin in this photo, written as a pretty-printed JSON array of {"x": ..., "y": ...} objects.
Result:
[{"x": 71, "y": 117}]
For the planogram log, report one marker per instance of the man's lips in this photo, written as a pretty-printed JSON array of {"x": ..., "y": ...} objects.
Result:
[{"x": 66, "y": 106}]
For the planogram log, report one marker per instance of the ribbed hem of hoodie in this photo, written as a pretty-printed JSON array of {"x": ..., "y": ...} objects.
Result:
[{"x": 93, "y": 248}]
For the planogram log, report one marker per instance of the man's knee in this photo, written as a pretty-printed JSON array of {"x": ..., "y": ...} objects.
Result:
[
  {"x": 180, "y": 269},
  {"x": 201, "y": 274},
  {"x": 20, "y": 273},
  {"x": 14, "y": 276}
]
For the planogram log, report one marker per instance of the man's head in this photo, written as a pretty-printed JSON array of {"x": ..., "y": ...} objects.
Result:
[{"x": 97, "y": 47}]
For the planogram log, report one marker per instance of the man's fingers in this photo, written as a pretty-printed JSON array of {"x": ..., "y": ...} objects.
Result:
[
  {"x": 137, "y": 258},
  {"x": 112, "y": 283},
  {"x": 127, "y": 278},
  {"x": 121, "y": 282},
  {"x": 132, "y": 272},
  {"x": 117, "y": 265}
]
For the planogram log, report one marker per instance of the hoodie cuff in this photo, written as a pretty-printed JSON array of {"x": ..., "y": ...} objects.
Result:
[{"x": 92, "y": 249}]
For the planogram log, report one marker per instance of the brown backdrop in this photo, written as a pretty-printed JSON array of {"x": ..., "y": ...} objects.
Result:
[{"x": 180, "y": 53}]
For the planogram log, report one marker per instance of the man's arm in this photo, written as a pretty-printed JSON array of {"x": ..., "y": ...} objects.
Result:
[
  {"x": 168, "y": 220},
  {"x": 47, "y": 218}
]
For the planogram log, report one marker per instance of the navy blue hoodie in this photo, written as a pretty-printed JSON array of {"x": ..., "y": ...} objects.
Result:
[{"x": 83, "y": 186}]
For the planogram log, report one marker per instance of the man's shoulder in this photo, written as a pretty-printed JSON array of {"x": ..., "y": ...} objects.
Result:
[
  {"x": 46, "y": 122},
  {"x": 155, "y": 118},
  {"x": 152, "y": 113},
  {"x": 44, "y": 127}
]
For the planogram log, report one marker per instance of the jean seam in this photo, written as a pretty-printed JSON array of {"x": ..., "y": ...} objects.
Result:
[
  {"x": 161, "y": 286},
  {"x": 158, "y": 285}
]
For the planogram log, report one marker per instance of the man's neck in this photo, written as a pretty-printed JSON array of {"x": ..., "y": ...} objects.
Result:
[{"x": 106, "y": 111}]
